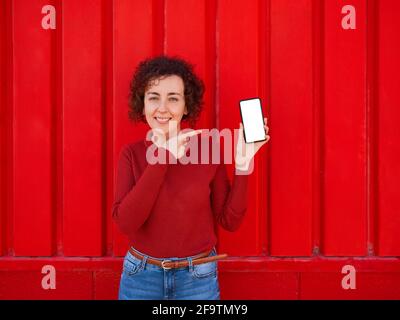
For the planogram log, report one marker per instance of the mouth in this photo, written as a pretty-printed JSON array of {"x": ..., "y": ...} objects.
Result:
[{"x": 162, "y": 120}]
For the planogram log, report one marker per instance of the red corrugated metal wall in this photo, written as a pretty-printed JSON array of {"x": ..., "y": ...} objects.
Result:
[{"x": 324, "y": 191}]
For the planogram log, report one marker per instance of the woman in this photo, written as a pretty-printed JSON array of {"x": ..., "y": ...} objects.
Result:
[{"x": 169, "y": 210}]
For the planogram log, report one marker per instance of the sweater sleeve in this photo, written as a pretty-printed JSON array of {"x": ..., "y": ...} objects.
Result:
[
  {"x": 229, "y": 204},
  {"x": 134, "y": 200}
]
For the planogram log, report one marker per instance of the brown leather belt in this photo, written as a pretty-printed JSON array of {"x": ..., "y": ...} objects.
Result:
[{"x": 168, "y": 264}]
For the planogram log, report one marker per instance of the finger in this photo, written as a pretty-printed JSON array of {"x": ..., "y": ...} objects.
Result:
[
  {"x": 185, "y": 137},
  {"x": 182, "y": 147},
  {"x": 240, "y": 130},
  {"x": 157, "y": 137},
  {"x": 240, "y": 135},
  {"x": 240, "y": 143},
  {"x": 267, "y": 137},
  {"x": 259, "y": 144},
  {"x": 190, "y": 134}
]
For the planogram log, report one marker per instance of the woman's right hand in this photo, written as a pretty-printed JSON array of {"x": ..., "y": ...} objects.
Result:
[{"x": 176, "y": 144}]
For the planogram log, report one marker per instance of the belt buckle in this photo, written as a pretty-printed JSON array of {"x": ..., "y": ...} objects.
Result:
[{"x": 162, "y": 264}]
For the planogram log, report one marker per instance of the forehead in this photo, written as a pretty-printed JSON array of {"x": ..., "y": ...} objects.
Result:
[{"x": 172, "y": 83}]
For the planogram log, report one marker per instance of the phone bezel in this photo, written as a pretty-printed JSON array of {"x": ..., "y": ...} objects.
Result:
[{"x": 241, "y": 116}]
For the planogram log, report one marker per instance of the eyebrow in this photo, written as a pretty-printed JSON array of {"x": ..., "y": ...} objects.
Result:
[{"x": 169, "y": 93}]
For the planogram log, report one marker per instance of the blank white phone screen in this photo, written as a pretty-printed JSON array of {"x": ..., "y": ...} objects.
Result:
[{"x": 252, "y": 118}]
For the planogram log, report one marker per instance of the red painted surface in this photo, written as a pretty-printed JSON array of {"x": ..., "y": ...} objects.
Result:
[{"x": 324, "y": 190}]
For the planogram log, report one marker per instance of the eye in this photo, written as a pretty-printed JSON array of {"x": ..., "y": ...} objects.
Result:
[
  {"x": 153, "y": 98},
  {"x": 174, "y": 99}
]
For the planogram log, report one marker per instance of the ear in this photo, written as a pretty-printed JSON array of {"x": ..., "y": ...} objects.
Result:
[{"x": 186, "y": 110}]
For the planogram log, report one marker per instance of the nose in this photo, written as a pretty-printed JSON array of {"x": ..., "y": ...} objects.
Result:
[{"x": 163, "y": 106}]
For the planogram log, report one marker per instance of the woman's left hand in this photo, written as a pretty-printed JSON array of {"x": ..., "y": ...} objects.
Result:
[{"x": 245, "y": 152}]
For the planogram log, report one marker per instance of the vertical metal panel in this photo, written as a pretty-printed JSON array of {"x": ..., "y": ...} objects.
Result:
[
  {"x": 291, "y": 150},
  {"x": 263, "y": 160},
  {"x": 372, "y": 121},
  {"x": 108, "y": 150},
  {"x": 82, "y": 137},
  {"x": 4, "y": 118},
  {"x": 6, "y": 128},
  {"x": 344, "y": 217},
  {"x": 318, "y": 85},
  {"x": 32, "y": 109},
  {"x": 389, "y": 130}
]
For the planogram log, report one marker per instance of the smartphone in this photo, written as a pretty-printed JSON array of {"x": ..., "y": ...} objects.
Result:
[{"x": 252, "y": 119}]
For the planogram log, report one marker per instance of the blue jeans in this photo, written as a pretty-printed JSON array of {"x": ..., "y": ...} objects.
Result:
[{"x": 141, "y": 280}]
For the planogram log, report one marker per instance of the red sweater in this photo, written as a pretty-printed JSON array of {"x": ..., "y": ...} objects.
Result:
[{"x": 170, "y": 210}]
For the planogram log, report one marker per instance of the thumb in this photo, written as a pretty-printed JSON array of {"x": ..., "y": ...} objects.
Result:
[{"x": 240, "y": 132}]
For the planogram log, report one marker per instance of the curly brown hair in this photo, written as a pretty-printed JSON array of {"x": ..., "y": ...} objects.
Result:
[{"x": 159, "y": 67}]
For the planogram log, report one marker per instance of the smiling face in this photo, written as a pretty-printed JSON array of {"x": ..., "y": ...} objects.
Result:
[{"x": 164, "y": 101}]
